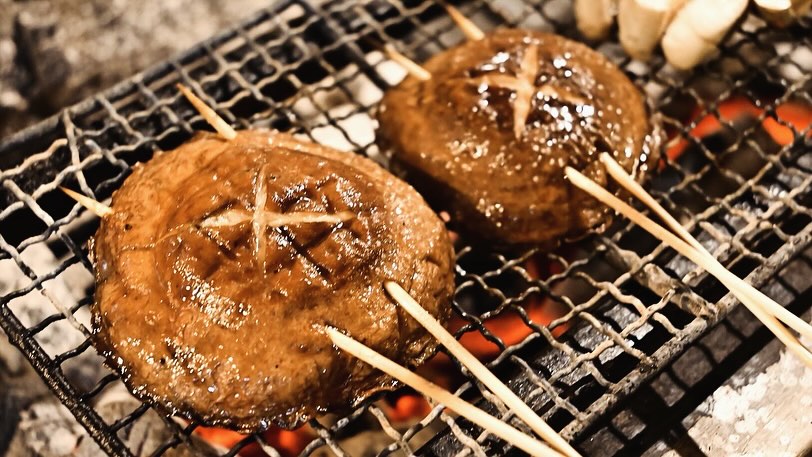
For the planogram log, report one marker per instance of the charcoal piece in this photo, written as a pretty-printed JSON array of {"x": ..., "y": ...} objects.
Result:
[{"x": 40, "y": 54}]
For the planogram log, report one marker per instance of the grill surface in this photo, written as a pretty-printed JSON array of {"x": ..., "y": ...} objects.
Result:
[{"x": 632, "y": 303}]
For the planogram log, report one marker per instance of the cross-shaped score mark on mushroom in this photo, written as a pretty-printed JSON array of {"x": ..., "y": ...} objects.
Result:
[
  {"x": 523, "y": 85},
  {"x": 261, "y": 219},
  {"x": 525, "y": 88}
]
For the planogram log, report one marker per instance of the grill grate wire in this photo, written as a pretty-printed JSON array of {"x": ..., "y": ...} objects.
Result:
[{"x": 317, "y": 70}]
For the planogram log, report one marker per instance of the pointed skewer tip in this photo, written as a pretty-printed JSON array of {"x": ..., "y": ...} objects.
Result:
[
  {"x": 469, "y": 29},
  {"x": 99, "y": 209},
  {"x": 214, "y": 119},
  {"x": 411, "y": 67}
]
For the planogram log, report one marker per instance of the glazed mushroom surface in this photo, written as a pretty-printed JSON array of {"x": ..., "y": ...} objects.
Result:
[
  {"x": 488, "y": 135},
  {"x": 222, "y": 261}
]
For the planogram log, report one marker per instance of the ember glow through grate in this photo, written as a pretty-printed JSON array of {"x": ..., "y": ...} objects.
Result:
[{"x": 572, "y": 332}]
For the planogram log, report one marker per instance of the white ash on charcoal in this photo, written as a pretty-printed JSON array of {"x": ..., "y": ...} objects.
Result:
[
  {"x": 32, "y": 308},
  {"x": 148, "y": 432},
  {"x": 33, "y": 421},
  {"x": 48, "y": 429},
  {"x": 28, "y": 405},
  {"x": 53, "y": 54}
]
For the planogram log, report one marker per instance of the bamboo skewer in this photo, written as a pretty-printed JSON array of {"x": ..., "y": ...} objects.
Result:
[
  {"x": 480, "y": 371},
  {"x": 440, "y": 395},
  {"x": 99, "y": 209},
  {"x": 692, "y": 254},
  {"x": 411, "y": 67},
  {"x": 734, "y": 283},
  {"x": 219, "y": 124},
  {"x": 469, "y": 29}
]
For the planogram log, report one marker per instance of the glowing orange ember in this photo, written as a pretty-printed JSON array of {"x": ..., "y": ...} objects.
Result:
[
  {"x": 289, "y": 443},
  {"x": 797, "y": 115},
  {"x": 406, "y": 407},
  {"x": 509, "y": 326}
]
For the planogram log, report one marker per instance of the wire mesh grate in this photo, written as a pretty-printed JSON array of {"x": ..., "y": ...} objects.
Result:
[{"x": 627, "y": 304}]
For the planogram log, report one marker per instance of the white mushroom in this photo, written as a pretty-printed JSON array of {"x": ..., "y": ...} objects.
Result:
[
  {"x": 782, "y": 12},
  {"x": 594, "y": 17},
  {"x": 697, "y": 28},
  {"x": 641, "y": 24}
]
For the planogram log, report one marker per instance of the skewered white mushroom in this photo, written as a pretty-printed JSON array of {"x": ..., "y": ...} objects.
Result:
[
  {"x": 688, "y": 30},
  {"x": 782, "y": 12},
  {"x": 697, "y": 28},
  {"x": 594, "y": 17},
  {"x": 641, "y": 24}
]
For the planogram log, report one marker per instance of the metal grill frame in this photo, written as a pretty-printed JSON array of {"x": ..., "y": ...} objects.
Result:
[{"x": 293, "y": 40}]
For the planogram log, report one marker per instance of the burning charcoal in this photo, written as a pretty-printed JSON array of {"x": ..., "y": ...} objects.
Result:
[
  {"x": 34, "y": 307},
  {"x": 71, "y": 49},
  {"x": 20, "y": 386},
  {"x": 47, "y": 429},
  {"x": 12, "y": 362},
  {"x": 35, "y": 34},
  {"x": 10, "y": 98},
  {"x": 145, "y": 434},
  {"x": 9, "y": 414}
]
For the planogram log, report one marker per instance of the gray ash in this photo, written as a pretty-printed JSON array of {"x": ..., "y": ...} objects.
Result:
[{"x": 53, "y": 54}]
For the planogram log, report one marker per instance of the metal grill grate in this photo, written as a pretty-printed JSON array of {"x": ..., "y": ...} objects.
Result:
[{"x": 631, "y": 304}]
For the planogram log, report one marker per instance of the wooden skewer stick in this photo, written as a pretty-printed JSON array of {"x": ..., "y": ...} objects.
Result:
[
  {"x": 440, "y": 395},
  {"x": 99, "y": 209},
  {"x": 519, "y": 407},
  {"x": 214, "y": 119},
  {"x": 412, "y": 67},
  {"x": 734, "y": 283},
  {"x": 691, "y": 253},
  {"x": 469, "y": 29}
]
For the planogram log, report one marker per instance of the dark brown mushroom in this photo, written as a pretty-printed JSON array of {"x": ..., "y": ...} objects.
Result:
[
  {"x": 222, "y": 261},
  {"x": 488, "y": 135}
]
